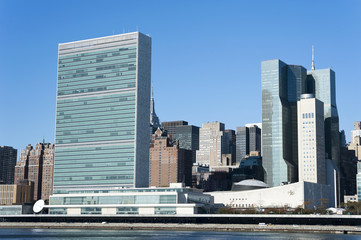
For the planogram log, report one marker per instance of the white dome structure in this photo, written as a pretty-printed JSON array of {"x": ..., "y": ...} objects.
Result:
[{"x": 248, "y": 184}]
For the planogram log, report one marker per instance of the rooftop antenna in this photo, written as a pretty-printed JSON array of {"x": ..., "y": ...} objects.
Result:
[
  {"x": 313, "y": 59},
  {"x": 152, "y": 91},
  {"x": 43, "y": 140}
]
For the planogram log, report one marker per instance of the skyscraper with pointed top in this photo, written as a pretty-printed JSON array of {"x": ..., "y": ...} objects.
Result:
[
  {"x": 282, "y": 86},
  {"x": 154, "y": 120}
]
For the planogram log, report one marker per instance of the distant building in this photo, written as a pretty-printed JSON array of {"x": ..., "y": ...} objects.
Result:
[
  {"x": 248, "y": 139},
  {"x": 343, "y": 142},
  {"x": 242, "y": 143},
  {"x": 230, "y": 145},
  {"x": 13, "y": 194},
  {"x": 311, "y": 140},
  {"x": 211, "y": 144},
  {"x": 356, "y": 132},
  {"x": 170, "y": 127},
  {"x": 250, "y": 168},
  {"x": 356, "y": 140},
  {"x": 188, "y": 137},
  {"x": 8, "y": 157},
  {"x": 168, "y": 163},
  {"x": 37, "y": 165},
  {"x": 348, "y": 171}
]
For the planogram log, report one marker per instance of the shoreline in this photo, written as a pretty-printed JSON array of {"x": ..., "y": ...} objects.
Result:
[{"x": 189, "y": 227}]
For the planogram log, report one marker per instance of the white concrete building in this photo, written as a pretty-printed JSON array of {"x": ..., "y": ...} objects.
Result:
[
  {"x": 311, "y": 140},
  {"x": 211, "y": 144},
  {"x": 300, "y": 194},
  {"x": 173, "y": 200}
]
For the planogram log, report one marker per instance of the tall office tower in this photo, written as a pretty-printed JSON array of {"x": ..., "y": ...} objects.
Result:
[
  {"x": 254, "y": 138},
  {"x": 35, "y": 171},
  {"x": 230, "y": 144},
  {"x": 242, "y": 143},
  {"x": 8, "y": 157},
  {"x": 167, "y": 162},
  {"x": 170, "y": 127},
  {"x": 322, "y": 83},
  {"x": 356, "y": 132},
  {"x": 48, "y": 170},
  {"x": 311, "y": 140},
  {"x": 22, "y": 166},
  {"x": 282, "y": 86},
  {"x": 211, "y": 144},
  {"x": 36, "y": 165},
  {"x": 188, "y": 137},
  {"x": 102, "y": 113}
]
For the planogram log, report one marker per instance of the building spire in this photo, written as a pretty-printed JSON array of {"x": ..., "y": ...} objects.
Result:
[{"x": 313, "y": 59}]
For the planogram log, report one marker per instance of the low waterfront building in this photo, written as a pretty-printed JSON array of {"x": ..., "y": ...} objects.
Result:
[
  {"x": 173, "y": 200},
  {"x": 300, "y": 194}
]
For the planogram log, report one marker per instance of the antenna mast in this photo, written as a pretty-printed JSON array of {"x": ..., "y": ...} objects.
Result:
[{"x": 313, "y": 59}]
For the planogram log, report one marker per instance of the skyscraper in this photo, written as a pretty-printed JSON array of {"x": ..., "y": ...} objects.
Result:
[
  {"x": 311, "y": 140},
  {"x": 102, "y": 113},
  {"x": 321, "y": 82},
  {"x": 8, "y": 157},
  {"x": 188, "y": 137},
  {"x": 211, "y": 144},
  {"x": 168, "y": 163},
  {"x": 36, "y": 165},
  {"x": 170, "y": 127},
  {"x": 242, "y": 143},
  {"x": 282, "y": 86}
]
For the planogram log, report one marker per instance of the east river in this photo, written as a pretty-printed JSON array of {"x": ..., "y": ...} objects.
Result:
[{"x": 79, "y": 234}]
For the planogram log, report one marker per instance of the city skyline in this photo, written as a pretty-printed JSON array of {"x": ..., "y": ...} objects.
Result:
[{"x": 189, "y": 60}]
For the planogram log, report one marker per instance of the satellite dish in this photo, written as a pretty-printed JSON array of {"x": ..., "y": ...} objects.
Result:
[{"x": 38, "y": 206}]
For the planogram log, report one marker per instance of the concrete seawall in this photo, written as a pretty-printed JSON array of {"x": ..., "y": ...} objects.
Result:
[{"x": 189, "y": 227}]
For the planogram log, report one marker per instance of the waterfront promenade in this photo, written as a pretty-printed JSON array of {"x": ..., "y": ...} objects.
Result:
[{"x": 209, "y": 222}]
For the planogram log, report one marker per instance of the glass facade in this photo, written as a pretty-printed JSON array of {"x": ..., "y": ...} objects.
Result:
[
  {"x": 324, "y": 89},
  {"x": 101, "y": 200},
  {"x": 188, "y": 136},
  {"x": 242, "y": 143},
  {"x": 102, "y": 112},
  {"x": 282, "y": 86}
]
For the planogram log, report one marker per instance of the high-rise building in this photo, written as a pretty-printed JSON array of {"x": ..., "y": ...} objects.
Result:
[
  {"x": 311, "y": 140},
  {"x": 254, "y": 138},
  {"x": 47, "y": 171},
  {"x": 8, "y": 157},
  {"x": 22, "y": 166},
  {"x": 248, "y": 139},
  {"x": 102, "y": 113},
  {"x": 36, "y": 165},
  {"x": 188, "y": 137},
  {"x": 230, "y": 145},
  {"x": 171, "y": 126},
  {"x": 356, "y": 132},
  {"x": 242, "y": 143},
  {"x": 168, "y": 163},
  {"x": 321, "y": 82},
  {"x": 211, "y": 144},
  {"x": 282, "y": 86}
]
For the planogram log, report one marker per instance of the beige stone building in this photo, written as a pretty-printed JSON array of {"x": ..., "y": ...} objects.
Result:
[
  {"x": 356, "y": 140},
  {"x": 13, "y": 194},
  {"x": 167, "y": 162}
]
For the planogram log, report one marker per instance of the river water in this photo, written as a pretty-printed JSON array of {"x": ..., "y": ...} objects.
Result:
[{"x": 78, "y": 234}]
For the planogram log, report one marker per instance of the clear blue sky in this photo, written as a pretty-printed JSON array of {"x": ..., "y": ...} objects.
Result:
[{"x": 206, "y": 55}]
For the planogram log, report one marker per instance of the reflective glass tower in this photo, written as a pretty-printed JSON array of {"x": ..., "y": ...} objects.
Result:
[
  {"x": 102, "y": 113},
  {"x": 282, "y": 86},
  {"x": 321, "y": 82}
]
